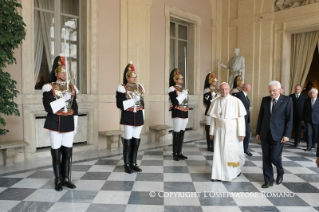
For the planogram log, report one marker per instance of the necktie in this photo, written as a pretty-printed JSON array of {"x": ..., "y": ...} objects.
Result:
[
  {"x": 247, "y": 99},
  {"x": 312, "y": 102},
  {"x": 297, "y": 96},
  {"x": 274, "y": 101}
]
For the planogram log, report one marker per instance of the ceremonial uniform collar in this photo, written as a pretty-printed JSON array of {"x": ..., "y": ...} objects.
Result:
[{"x": 60, "y": 83}]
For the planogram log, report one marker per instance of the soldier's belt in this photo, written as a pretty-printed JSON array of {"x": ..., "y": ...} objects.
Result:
[
  {"x": 182, "y": 108},
  {"x": 60, "y": 113},
  {"x": 132, "y": 109}
]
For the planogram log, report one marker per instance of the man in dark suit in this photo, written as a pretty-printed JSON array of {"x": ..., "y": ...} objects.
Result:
[
  {"x": 242, "y": 95},
  {"x": 310, "y": 118},
  {"x": 298, "y": 100},
  {"x": 273, "y": 130}
]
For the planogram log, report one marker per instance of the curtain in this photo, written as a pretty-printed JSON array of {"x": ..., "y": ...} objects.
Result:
[
  {"x": 42, "y": 36},
  {"x": 303, "y": 46}
]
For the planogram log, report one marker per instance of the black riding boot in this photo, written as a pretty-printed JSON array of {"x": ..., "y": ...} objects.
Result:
[
  {"x": 67, "y": 166},
  {"x": 55, "y": 153},
  {"x": 175, "y": 145},
  {"x": 210, "y": 143},
  {"x": 180, "y": 145},
  {"x": 127, "y": 155},
  {"x": 134, "y": 148}
]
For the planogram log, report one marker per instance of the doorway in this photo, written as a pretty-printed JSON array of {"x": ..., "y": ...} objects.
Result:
[{"x": 313, "y": 75}]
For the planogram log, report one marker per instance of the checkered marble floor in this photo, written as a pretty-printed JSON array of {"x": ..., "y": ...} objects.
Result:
[{"x": 166, "y": 185}]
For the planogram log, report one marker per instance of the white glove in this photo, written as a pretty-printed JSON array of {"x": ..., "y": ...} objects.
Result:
[
  {"x": 185, "y": 92},
  {"x": 75, "y": 131},
  {"x": 136, "y": 98},
  {"x": 66, "y": 97}
]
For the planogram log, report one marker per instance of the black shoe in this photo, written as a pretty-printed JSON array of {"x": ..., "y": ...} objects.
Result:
[
  {"x": 279, "y": 179},
  {"x": 308, "y": 149},
  {"x": 58, "y": 187},
  {"x": 69, "y": 184},
  {"x": 181, "y": 156},
  {"x": 214, "y": 180},
  {"x": 134, "y": 167},
  {"x": 67, "y": 167},
  {"x": 127, "y": 169},
  {"x": 239, "y": 174},
  {"x": 313, "y": 146},
  {"x": 175, "y": 145},
  {"x": 127, "y": 144},
  {"x": 56, "y": 155},
  {"x": 134, "y": 148},
  {"x": 266, "y": 185},
  {"x": 296, "y": 145},
  {"x": 248, "y": 153},
  {"x": 175, "y": 157}
]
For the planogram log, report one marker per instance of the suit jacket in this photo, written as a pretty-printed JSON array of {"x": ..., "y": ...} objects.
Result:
[
  {"x": 311, "y": 114},
  {"x": 298, "y": 104},
  {"x": 279, "y": 122},
  {"x": 240, "y": 95}
]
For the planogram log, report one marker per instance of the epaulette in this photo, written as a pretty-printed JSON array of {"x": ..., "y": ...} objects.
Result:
[
  {"x": 121, "y": 89},
  {"x": 47, "y": 87},
  {"x": 171, "y": 89},
  {"x": 206, "y": 90}
]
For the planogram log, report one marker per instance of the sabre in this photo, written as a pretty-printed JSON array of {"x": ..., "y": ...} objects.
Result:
[
  {"x": 66, "y": 66},
  {"x": 185, "y": 66},
  {"x": 137, "y": 67}
]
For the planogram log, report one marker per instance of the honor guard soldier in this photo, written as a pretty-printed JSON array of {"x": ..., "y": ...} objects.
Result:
[
  {"x": 59, "y": 101},
  {"x": 179, "y": 107},
  {"x": 129, "y": 99},
  {"x": 211, "y": 92}
]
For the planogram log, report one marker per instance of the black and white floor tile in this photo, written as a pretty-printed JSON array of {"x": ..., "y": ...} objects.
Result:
[{"x": 166, "y": 185}]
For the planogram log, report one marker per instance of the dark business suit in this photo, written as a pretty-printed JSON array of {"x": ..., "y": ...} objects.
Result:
[
  {"x": 272, "y": 127},
  {"x": 311, "y": 118},
  {"x": 297, "y": 114},
  {"x": 240, "y": 95}
]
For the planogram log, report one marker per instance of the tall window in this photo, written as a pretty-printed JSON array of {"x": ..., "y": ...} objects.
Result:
[
  {"x": 57, "y": 27},
  {"x": 179, "y": 48}
]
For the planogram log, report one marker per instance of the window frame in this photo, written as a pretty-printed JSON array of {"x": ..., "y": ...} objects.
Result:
[
  {"x": 57, "y": 36},
  {"x": 176, "y": 39}
]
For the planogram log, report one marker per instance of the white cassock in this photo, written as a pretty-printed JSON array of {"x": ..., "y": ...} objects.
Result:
[{"x": 228, "y": 123}]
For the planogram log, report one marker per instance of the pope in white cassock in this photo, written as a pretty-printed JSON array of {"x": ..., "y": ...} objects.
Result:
[{"x": 227, "y": 129}]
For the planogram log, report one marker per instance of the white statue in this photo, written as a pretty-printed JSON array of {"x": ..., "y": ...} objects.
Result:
[{"x": 236, "y": 66}]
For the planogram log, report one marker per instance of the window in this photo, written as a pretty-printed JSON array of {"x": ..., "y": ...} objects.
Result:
[
  {"x": 179, "y": 49},
  {"x": 57, "y": 27}
]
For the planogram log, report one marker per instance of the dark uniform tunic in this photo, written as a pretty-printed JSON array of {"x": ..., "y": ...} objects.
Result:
[
  {"x": 61, "y": 122},
  {"x": 209, "y": 94},
  {"x": 178, "y": 110},
  {"x": 128, "y": 116}
]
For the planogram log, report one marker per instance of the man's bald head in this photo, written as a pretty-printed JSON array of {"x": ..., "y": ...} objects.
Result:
[
  {"x": 224, "y": 89},
  {"x": 246, "y": 87}
]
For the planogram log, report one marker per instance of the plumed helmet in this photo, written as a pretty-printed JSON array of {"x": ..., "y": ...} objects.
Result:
[
  {"x": 57, "y": 67},
  {"x": 238, "y": 81},
  {"x": 61, "y": 65},
  {"x": 210, "y": 78},
  {"x": 129, "y": 72},
  {"x": 174, "y": 77}
]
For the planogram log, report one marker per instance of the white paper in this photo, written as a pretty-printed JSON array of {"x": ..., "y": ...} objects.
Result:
[
  {"x": 128, "y": 103},
  {"x": 56, "y": 105}
]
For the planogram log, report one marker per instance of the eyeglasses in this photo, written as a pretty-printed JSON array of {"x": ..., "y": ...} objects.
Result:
[{"x": 273, "y": 91}]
